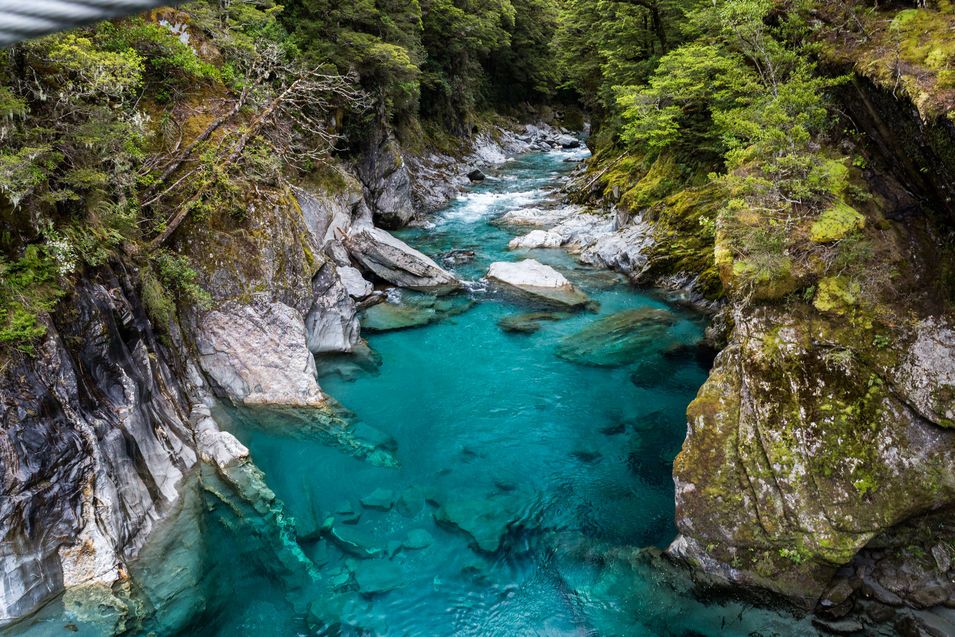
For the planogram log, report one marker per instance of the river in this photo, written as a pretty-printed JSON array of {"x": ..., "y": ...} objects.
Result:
[{"x": 525, "y": 492}]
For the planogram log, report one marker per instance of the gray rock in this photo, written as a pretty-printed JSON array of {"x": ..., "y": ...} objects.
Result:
[
  {"x": 398, "y": 263},
  {"x": 332, "y": 322},
  {"x": 536, "y": 239},
  {"x": 387, "y": 183},
  {"x": 380, "y": 499},
  {"x": 927, "y": 374},
  {"x": 257, "y": 355},
  {"x": 536, "y": 281},
  {"x": 476, "y": 175},
  {"x": 94, "y": 447},
  {"x": 355, "y": 284}
]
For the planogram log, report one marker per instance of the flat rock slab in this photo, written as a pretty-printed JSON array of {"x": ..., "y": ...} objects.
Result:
[
  {"x": 529, "y": 322},
  {"x": 380, "y": 499},
  {"x": 378, "y": 576},
  {"x": 617, "y": 339},
  {"x": 396, "y": 262},
  {"x": 412, "y": 310},
  {"x": 538, "y": 282}
]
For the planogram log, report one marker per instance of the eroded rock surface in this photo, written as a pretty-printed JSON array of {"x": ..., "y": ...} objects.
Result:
[
  {"x": 398, "y": 263},
  {"x": 257, "y": 355}
]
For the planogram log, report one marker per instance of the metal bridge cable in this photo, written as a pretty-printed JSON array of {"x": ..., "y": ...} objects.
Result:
[{"x": 24, "y": 19}]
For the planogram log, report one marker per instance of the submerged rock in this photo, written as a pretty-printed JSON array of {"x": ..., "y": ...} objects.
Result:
[
  {"x": 485, "y": 520},
  {"x": 457, "y": 257},
  {"x": 378, "y": 576},
  {"x": 538, "y": 282},
  {"x": 353, "y": 541},
  {"x": 412, "y": 310},
  {"x": 380, "y": 499},
  {"x": 417, "y": 539},
  {"x": 617, "y": 339},
  {"x": 398, "y": 263},
  {"x": 528, "y": 323}
]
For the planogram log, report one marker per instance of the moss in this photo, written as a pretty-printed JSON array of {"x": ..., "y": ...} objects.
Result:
[
  {"x": 836, "y": 223},
  {"x": 836, "y": 294}
]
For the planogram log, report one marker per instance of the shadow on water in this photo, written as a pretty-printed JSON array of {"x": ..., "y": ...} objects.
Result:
[{"x": 474, "y": 480}]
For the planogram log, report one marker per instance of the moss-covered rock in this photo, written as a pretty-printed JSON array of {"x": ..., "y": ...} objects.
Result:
[
  {"x": 800, "y": 450},
  {"x": 836, "y": 223}
]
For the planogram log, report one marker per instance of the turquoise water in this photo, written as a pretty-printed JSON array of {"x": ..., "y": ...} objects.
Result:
[{"x": 516, "y": 492}]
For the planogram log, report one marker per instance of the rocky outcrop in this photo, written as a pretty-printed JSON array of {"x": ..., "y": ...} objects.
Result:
[
  {"x": 332, "y": 323},
  {"x": 398, "y": 263},
  {"x": 807, "y": 442},
  {"x": 95, "y": 441},
  {"x": 257, "y": 355},
  {"x": 384, "y": 173},
  {"x": 535, "y": 281}
]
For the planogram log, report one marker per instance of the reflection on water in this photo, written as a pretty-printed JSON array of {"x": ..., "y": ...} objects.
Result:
[{"x": 474, "y": 482}]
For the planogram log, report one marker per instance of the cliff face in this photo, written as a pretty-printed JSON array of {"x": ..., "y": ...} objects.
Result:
[
  {"x": 95, "y": 441},
  {"x": 819, "y": 454}
]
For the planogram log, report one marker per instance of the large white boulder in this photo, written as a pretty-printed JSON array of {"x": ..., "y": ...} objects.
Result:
[
  {"x": 257, "y": 355},
  {"x": 539, "y": 282}
]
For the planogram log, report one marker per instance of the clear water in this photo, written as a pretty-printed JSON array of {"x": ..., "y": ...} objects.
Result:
[{"x": 573, "y": 462}]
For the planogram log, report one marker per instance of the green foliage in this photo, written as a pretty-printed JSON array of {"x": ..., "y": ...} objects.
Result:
[
  {"x": 29, "y": 287},
  {"x": 167, "y": 281},
  {"x": 443, "y": 60}
]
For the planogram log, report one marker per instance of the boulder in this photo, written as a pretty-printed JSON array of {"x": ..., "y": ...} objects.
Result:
[
  {"x": 355, "y": 284},
  {"x": 568, "y": 142},
  {"x": 331, "y": 324},
  {"x": 536, "y": 217},
  {"x": 528, "y": 323},
  {"x": 380, "y": 499},
  {"x": 257, "y": 355},
  {"x": 477, "y": 175},
  {"x": 387, "y": 182},
  {"x": 536, "y": 239},
  {"x": 617, "y": 339},
  {"x": 398, "y": 263},
  {"x": 412, "y": 310},
  {"x": 538, "y": 282}
]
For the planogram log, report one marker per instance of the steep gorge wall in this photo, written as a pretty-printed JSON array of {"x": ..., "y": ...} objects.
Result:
[{"x": 821, "y": 449}]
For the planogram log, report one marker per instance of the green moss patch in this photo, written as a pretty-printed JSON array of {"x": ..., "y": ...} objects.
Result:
[{"x": 836, "y": 223}]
